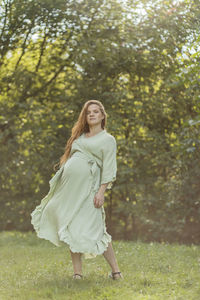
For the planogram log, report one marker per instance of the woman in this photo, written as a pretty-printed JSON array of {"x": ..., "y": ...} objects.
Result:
[{"x": 72, "y": 211}]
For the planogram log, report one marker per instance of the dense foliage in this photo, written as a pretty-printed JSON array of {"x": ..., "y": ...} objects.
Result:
[{"x": 141, "y": 59}]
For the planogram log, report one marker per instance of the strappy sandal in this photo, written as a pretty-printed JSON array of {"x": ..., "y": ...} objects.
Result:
[
  {"x": 112, "y": 275},
  {"x": 76, "y": 274}
]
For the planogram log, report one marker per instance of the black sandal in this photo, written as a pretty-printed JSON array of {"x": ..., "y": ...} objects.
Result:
[
  {"x": 112, "y": 275},
  {"x": 74, "y": 276}
]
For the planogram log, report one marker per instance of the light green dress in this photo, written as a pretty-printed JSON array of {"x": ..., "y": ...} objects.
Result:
[{"x": 67, "y": 213}]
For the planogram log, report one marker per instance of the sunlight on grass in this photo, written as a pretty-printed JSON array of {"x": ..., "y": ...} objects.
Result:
[{"x": 33, "y": 269}]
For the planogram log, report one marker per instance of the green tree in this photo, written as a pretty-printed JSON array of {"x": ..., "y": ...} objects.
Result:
[{"x": 141, "y": 59}]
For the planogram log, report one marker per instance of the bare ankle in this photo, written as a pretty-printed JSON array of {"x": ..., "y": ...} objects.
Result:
[{"x": 115, "y": 270}]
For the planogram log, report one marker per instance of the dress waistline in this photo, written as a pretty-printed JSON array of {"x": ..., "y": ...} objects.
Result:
[{"x": 93, "y": 167}]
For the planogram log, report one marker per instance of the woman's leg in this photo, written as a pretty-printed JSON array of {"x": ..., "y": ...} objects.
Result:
[
  {"x": 111, "y": 259},
  {"x": 77, "y": 263}
]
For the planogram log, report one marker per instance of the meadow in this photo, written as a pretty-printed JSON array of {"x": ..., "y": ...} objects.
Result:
[{"x": 34, "y": 269}]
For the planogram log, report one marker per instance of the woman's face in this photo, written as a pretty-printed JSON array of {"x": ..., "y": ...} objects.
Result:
[{"x": 94, "y": 115}]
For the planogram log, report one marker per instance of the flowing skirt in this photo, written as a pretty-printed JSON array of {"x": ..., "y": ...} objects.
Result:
[{"x": 67, "y": 213}]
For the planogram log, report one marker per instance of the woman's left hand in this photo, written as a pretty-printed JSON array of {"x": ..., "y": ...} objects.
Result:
[{"x": 99, "y": 199}]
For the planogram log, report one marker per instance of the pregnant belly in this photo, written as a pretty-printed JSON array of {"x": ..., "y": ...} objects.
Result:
[
  {"x": 81, "y": 170},
  {"x": 76, "y": 166}
]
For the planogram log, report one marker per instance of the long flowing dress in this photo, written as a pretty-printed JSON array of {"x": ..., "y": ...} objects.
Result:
[{"x": 67, "y": 213}]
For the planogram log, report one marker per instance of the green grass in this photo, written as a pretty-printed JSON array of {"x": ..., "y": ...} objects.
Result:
[{"x": 31, "y": 269}]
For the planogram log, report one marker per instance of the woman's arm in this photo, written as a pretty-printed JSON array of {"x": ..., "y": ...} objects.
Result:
[
  {"x": 103, "y": 187},
  {"x": 109, "y": 162},
  {"x": 109, "y": 169}
]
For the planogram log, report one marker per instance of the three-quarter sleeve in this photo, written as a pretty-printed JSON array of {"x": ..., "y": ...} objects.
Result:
[{"x": 109, "y": 162}]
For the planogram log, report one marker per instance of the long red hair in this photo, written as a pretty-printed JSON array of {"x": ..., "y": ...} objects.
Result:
[{"x": 81, "y": 126}]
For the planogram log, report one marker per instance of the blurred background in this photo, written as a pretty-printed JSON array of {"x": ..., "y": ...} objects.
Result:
[{"x": 142, "y": 60}]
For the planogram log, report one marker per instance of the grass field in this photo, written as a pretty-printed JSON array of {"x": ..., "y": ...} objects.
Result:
[{"x": 33, "y": 269}]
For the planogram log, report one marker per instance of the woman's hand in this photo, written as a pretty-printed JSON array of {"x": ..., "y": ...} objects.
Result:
[{"x": 99, "y": 199}]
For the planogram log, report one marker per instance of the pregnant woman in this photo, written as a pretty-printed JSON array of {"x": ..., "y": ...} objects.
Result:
[{"x": 72, "y": 211}]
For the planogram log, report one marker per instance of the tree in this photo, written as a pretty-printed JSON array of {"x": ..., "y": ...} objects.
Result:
[{"x": 141, "y": 59}]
